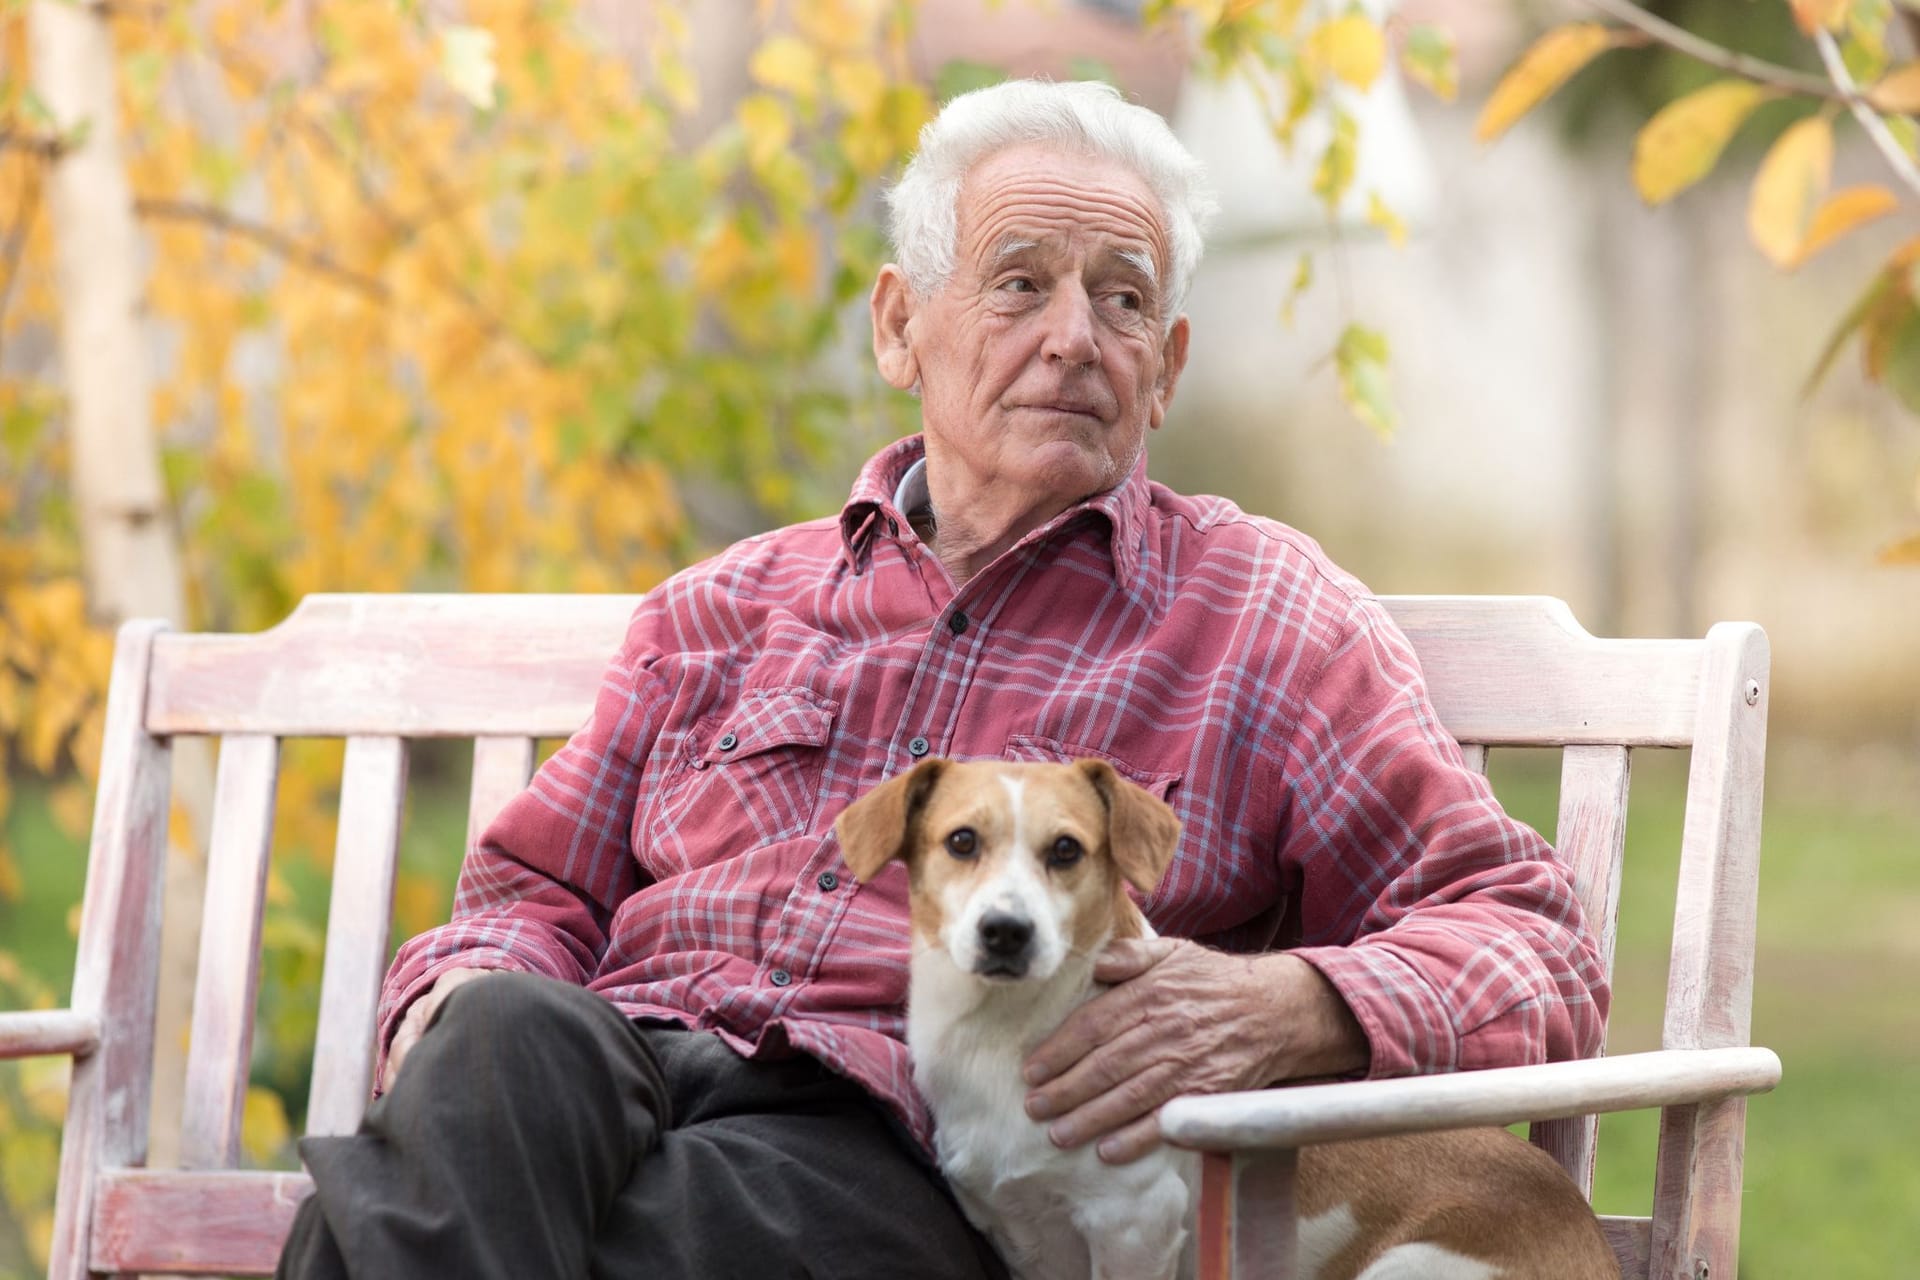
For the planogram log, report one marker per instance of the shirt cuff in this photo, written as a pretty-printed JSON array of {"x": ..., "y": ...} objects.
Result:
[{"x": 1408, "y": 1028}]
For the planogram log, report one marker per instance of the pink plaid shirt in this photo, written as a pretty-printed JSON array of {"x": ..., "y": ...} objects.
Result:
[{"x": 677, "y": 855}]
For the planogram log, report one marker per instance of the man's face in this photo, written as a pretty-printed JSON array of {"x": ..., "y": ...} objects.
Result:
[{"x": 1045, "y": 358}]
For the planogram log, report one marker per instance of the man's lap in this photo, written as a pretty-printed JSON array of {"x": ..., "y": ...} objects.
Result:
[{"x": 703, "y": 1163}]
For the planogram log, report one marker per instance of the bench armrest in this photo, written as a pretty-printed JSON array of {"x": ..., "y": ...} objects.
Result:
[
  {"x": 48, "y": 1031},
  {"x": 1307, "y": 1115}
]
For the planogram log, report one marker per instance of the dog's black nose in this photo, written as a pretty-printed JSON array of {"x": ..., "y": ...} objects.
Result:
[{"x": 1003, "y": 935}]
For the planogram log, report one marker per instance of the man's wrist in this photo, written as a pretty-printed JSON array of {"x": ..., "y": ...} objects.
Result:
[{"x": 1320, "y": 1036}]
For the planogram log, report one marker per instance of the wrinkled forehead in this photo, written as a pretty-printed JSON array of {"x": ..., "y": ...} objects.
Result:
[
  {"x": 1040, "y": 801},
  {"x": 1059, "y": 201}
]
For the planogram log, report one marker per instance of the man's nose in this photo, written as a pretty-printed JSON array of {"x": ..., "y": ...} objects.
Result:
[
  {"x": 1004, "y": 935},
  {"x": 1069, "y": 321}
]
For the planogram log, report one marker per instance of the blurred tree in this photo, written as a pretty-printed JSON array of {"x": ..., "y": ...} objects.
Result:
[
  {"x": 1736, "y": 74},
  {"x": 391, "y": 299}
]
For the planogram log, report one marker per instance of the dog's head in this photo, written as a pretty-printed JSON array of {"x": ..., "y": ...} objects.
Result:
[{"x": 1012, "y": 867}]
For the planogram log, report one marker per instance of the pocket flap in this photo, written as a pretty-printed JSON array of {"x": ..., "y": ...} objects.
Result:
[
  {"x": 1027, "y": 746},
  {"x": 763, "y": 720}
]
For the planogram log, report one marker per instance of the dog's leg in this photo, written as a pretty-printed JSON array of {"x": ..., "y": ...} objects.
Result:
[{"x": 1137, "y": 1238}]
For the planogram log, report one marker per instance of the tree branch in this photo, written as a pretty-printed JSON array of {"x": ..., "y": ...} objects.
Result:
[
  {"x": 1877, "y": 132},
  {"x": 17, "y": 242},
  {"x": 278, "y": 242},
  {"x": 44, "y": 145},
  {"x": 1683, "y": 41}
]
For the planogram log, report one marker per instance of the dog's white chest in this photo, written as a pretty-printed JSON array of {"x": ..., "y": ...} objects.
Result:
[{"x": 1051, "y": 1213}]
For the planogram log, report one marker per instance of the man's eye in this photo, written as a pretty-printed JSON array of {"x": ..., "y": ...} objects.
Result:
[
  {"x": 1129, "y": 301},
  {"x": 963, "y": 843},
  {"x": 1019, "y": 284},
  {"x": 1065, "y": 852}
]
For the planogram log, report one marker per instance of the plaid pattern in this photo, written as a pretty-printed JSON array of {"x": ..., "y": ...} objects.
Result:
[{"x": 677, "y": 855}]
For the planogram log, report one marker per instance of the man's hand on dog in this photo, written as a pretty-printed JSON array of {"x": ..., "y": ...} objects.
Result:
[{"x": 1182, "y": 1018}]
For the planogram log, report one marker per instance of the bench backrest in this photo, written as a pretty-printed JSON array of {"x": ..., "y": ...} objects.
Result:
[{"x": 508, "y": 671}]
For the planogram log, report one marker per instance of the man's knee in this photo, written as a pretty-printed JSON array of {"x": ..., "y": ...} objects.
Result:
[{"x": 522, "y": 1033}]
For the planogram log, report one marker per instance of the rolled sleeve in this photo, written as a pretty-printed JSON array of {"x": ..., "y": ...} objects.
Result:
[{"x": 1451, "y": 929}]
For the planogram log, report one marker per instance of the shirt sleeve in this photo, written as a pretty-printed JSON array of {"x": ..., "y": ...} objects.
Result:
[
  {"x": 539, "y": 888},
  {"x": 1450, "y": 928}
]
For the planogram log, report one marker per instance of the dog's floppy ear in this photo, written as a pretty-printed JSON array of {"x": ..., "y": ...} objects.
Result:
[
  {"x": 873, "y": 829},
  {"x": 1142, "y": 832}
]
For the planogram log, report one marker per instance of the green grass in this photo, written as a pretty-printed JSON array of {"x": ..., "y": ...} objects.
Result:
[{"x": 1832, "y": 1182}]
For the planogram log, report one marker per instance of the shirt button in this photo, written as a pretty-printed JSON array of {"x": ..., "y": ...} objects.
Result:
[
  {"x": 828, "y": 881},
  {"x": 957, "y": 622},
  {"x": 728, "y": 742},
  {"x": 919, "y": 747},
  {"x": 779, "y": 977}
]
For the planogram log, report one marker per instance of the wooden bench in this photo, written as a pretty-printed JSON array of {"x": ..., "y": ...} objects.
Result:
[{"x": 508, "y": 671}]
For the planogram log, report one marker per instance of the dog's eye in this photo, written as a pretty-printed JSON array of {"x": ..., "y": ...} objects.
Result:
[
  {"x": 1065, "y": 852},
  {"x": 963, "y": 843}
]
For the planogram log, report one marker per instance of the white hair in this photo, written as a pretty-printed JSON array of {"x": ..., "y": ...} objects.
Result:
[{"x": 1084, "y": 116}]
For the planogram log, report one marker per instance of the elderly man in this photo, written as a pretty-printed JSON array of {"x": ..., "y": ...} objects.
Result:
[{"x": 705, "y": 1076}]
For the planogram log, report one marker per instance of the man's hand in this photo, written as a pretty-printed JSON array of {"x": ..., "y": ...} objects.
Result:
[
  {"x": 1183, "y": 1019},
  {"x": 414, "y": 1024}
]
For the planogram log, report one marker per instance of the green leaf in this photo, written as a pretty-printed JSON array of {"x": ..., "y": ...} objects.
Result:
[
  {"x": 1361, "y": 361},
  {"x": 1081, "y": 67},
  {"x": 1430, "y": 60},
  {"x": 960, "y": 75},
  {"x": 1901, "y": 373},
  {"x": 1334, "y": 175},
  {"x": 1844, "y": 331},
  {"x": 1302, "y": 281}
]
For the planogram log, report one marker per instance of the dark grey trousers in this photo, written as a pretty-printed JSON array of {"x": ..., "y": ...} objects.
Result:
[{"x": 536, "y": 1132}]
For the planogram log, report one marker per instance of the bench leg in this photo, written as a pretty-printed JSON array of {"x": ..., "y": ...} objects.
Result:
[{"x": 1246, "y": 1220}]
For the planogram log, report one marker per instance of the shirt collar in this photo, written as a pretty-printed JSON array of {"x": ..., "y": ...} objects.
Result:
[{"x": 893, "y": 485}]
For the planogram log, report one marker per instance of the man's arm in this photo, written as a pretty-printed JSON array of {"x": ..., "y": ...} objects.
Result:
[
  {"x": 537, "y": 891},
  {"x": 1437, "y": 932}
]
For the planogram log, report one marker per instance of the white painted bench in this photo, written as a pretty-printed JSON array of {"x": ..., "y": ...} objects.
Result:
[{"x": 507, "y": 671}]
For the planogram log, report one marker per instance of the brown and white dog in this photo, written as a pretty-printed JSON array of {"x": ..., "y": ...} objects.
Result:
[{"x": 1017, "y": 879}]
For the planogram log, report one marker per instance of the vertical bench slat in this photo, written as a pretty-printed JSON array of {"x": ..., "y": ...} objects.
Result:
[
  {"x": 223, "y": 993},
  {"x": 501, "y": 769},
  {"x": 116, "y": 974},
  {"x": 1592, "y": 838},
  {"x": 1476, "y": 757},
  {"x": 1696, "y": 1188},
  {"x": 373, "y": 785}
]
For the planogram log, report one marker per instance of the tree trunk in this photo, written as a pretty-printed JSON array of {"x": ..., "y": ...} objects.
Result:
[{"x": 127, "y": 534}]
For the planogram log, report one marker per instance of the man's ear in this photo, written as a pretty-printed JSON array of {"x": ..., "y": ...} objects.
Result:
[
  {"x": 893, "y": 305},
  {"x": 1142, "y": 832},
  {"x": 1173, "y": 360},
  {"x": 873, "y": 829}
]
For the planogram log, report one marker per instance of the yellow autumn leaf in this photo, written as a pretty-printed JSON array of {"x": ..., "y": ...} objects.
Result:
[
  {"x": 788, "y": 64},
  {"x": 1353, "y": 49},
  {"x": 1898, "y": 91},
  {"x": 1683, "y": 141},
  {"x": 1816, "y": 15},
  {"x": 1846, "y": 210},
  {"x": 768, "y": 128},
  {"x": 1380, "y": 215},
  {"x": 837, "y": 24},
  {"x": 264, "y": 1131},
  {"x": 1905, "y": 551},
  {"x": 1788, "y": 189},
  {"x": 1549, "y": 63},
  {"x": 858, "y": 84}
]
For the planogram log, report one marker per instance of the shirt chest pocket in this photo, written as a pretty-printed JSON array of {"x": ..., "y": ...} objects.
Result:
[{"x": 744, "y": 779}]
